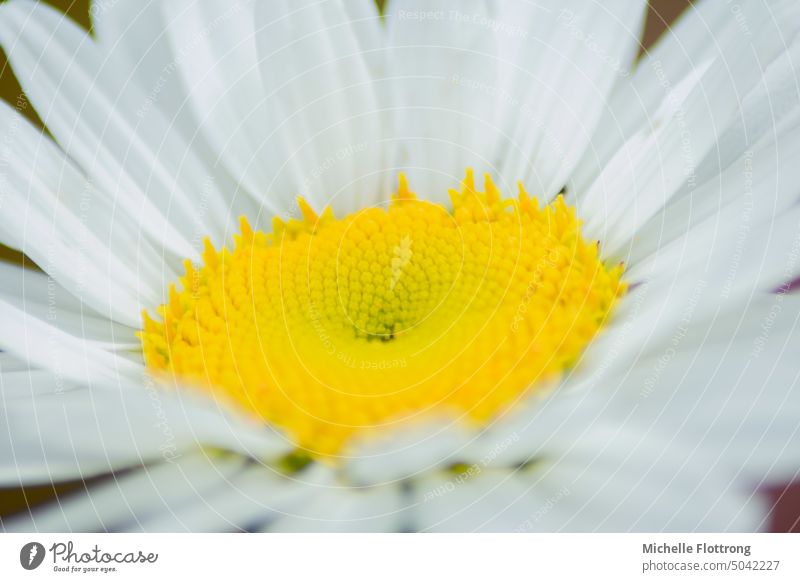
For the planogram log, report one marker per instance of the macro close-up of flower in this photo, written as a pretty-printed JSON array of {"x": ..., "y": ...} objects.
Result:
[{"x": 429, "y": 266}]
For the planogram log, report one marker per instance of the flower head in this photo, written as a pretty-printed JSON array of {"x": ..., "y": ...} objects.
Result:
[{"x": 251, "y": 321}]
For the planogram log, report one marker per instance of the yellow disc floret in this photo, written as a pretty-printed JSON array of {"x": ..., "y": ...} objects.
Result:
[{"x": 332, "y": 328}]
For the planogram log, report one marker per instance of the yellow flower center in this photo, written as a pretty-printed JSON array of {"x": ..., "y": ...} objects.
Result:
[{"x": 335, "y": 328}]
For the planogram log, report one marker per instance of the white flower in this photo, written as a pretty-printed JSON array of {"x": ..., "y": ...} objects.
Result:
[{"x": 179, "y": 117}]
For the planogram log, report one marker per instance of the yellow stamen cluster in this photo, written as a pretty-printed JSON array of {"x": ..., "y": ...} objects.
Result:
[{"x": 332, "y": 328}]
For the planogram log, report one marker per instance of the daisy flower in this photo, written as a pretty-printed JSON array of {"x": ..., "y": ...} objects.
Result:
[{"x": 461, "y": 266}]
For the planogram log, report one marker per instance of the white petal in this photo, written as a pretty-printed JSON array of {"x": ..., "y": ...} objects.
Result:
[
  {"x": 729, "y": 385},
  {"x": 260, "y": 109},
  {"x": 347, "y": 509},
  {"x": 406, "y": 451},
  {"x": 666, "y": 152},
  {"x": 39, "y": 296},
  {"x": 740, "y": 255},
  {"x": 9, "y": 363},
  {"x": 704, "y": 33},
  {"x": 20, "y": 381},
  {"x": 54, "y": 215},
  {"x": 323, "y": 100},
  {"x": 633, "y": 481},
  {"x": 70, "y": 357},
  {"x": 125, "y": 500},
  {"x": 135, "y": 35},
  {"x": 442, "y": 126},
  {"x": 513, "y": 88},
  {"x": 25, "y": 384},
  {"x": 215, "y": 58},
  {"x": 748, "y": 194},
  {"x": 90, "y": 107},
  {"x": 584, "y": 50},
  {"x": 246, "y": 501},
  {"x": 609, "y": 480},
  {"x": 81, "y": 433}
]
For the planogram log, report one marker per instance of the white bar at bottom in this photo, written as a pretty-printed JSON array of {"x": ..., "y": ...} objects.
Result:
[{"x": 402, "y": 557}]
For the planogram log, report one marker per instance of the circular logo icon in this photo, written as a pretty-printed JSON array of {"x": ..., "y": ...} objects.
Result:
[{"x": 31, "y": 555}]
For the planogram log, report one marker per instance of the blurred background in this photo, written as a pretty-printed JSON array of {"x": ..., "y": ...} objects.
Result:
[{"x": 786, "y": 515}]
